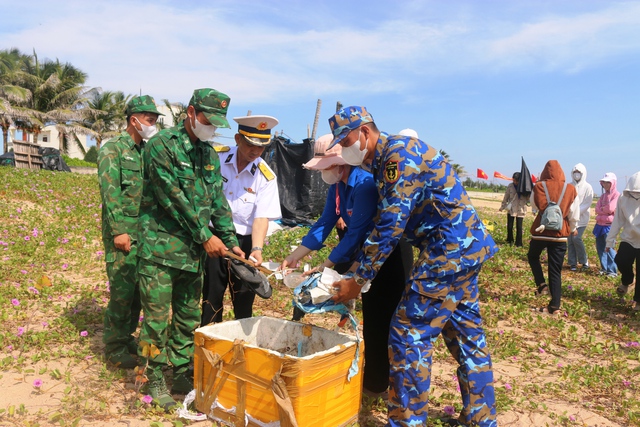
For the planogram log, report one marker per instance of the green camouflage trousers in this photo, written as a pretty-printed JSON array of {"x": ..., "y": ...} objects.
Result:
[
  {"x": 123, "y": 311},
  {"x": 171, "y": 304}
]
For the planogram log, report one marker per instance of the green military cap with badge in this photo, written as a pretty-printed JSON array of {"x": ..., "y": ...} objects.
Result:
[
  {"x": 213, "y": 105},
  {"x": 142, "y": 104},
  {"x": 256, "y": 129}
]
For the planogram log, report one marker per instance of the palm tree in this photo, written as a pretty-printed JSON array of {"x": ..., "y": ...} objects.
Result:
[
  {"x": 458, "y": 168},
  {"x": 11, "y": 94},
  {"x": 57, "y": 95},
  {"x": 104, "y": 113},
  {"x": 178, "y": 111}
]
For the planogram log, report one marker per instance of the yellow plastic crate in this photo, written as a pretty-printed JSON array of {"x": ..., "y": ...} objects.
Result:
[{"x": 265, "y": 370}]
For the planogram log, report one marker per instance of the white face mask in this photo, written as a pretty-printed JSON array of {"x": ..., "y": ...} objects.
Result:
[
  {"x": 203, "y": 132},
  {"x": 331, "y": 176},
  {"x": 352, "y": 154},
  {"x": 577, "y": 176},
  {"x": 147, "y": 131}
]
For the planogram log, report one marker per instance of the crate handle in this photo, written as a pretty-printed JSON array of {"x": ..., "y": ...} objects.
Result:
[{"x": 277, "y": 386}]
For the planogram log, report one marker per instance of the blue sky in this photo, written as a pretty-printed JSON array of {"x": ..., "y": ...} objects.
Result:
[{"x": 487, "y": 81}]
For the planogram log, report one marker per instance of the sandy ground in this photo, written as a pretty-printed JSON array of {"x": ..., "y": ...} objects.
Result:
[{"x": 52, "y": 395}]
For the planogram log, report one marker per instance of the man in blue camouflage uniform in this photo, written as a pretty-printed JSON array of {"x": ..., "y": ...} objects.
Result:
[
  {"x": 422, "y": 198},
  {"x": 120, "y": 175},
  {"x": 182, "y": 193}
]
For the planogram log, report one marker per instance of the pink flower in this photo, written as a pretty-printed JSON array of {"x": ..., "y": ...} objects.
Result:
[
  {"x": 34, "y": 290},
  {"x": 65, "y": 266},
  {"x": 37, "y": 383},
  {"x": 626, "y": 383},
  {"x": 449, "y": 410},
  {"x": 508, "y": 386},
  {"x": 572, "y": 418},
  {"x": 27, "y": 238},
  {"x": 45, "y": 324},
  {"x": 84, "y": 333},
  {"x": 15, "y": 302},
  {"x": 541, "y": 350},
  {"x": 20, "y": 331},
  {"x": 147, "y": 399}
]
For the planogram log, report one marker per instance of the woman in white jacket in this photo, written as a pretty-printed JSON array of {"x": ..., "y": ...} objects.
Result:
[
  {"x": 577, "y": 254},
  {"x": 626, "y": 222},
  {"x": 516, "y": 206}
]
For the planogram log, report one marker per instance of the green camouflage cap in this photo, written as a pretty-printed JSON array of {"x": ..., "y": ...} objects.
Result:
[
  {"x": 142, "y": 104},
  {"x": 213, "y": 105}
]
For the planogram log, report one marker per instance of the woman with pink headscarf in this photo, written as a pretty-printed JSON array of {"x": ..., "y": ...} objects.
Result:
[{"x": 605, "y": 210}]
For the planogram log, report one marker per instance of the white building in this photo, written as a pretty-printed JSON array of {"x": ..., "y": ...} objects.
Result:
[{"x": 49, "y": 137}]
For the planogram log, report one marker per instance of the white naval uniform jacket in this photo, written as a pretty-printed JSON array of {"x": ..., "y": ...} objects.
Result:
[{"x": 251, "y": 193}]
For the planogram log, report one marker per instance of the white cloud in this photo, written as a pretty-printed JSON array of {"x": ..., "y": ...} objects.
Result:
[
  {"x": 168, "y": 48},
  {"x": 571, "y": 43}
]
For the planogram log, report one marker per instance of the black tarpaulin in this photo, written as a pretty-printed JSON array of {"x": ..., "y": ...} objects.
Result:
[
  {"x": 525, "y": 185},
  {"x": 302, "y": 191},
  {"x": 52, "y": 160},
  {"x": 8, "y": 159}
]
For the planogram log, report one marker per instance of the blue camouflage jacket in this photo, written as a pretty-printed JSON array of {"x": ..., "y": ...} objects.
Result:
[{"x": 422, "y": 198}]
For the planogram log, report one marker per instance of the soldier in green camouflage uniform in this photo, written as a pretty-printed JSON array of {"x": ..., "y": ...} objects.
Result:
[
  {"x": 120, "y": 174},
  {"x": 182, "y": 193}
]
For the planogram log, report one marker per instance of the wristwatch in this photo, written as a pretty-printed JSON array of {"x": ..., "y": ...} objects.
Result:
[{"x": 361, "y": 281}]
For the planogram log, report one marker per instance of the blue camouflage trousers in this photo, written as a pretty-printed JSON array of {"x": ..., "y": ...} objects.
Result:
[{"x": 428, "y": 308}]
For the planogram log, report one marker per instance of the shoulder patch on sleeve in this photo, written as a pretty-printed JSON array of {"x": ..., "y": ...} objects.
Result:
[
  {"x": 266, "y": 171},
  {"x": 391, "y": 171},
  {"x": 221, "y": 148}
]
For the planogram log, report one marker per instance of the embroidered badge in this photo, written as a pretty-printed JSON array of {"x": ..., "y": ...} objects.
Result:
[
  {"x": 209, "y": 167},
  {"x": 391, "y": 171},
  {"x": 249, "y": 190},
  {"x": 262, "y": 125}
]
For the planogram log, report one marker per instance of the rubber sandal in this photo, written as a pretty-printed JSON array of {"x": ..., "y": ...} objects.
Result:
[{"x": 542, "y": 290}]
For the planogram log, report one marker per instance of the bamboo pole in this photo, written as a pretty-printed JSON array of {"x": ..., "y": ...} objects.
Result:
[{"x": 315, "y": 120}]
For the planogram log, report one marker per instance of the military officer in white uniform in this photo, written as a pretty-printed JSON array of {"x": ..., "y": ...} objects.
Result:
[{"x": 251, "y": 189}]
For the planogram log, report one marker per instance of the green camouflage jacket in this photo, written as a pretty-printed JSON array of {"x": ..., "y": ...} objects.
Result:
[
  {"x": 182, "y": 192},
  {"x": 120, "y": 176}
]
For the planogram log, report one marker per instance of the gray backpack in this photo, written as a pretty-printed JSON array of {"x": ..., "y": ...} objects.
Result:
[{"x": 552, "y": 217}]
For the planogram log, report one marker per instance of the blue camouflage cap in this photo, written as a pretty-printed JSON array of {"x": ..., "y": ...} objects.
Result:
[{"x": 346, "y": 120}]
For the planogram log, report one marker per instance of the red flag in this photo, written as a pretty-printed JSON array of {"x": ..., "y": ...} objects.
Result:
[
  {"x": 534, "y": 178},
  {"x": 482, "y": 175},
  {"x": 500, "y": 176}
]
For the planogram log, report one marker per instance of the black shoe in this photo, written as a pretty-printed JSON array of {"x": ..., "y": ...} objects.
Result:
[
  {"x": 157, "y": 389},
  {"x": 182, "y": 380},
  {"x": 122, "y": 359},
  {"x": 132, "y": 347}
]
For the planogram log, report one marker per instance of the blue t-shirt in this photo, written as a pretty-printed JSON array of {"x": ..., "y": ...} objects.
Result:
[{"x": 357, "y": 206}]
